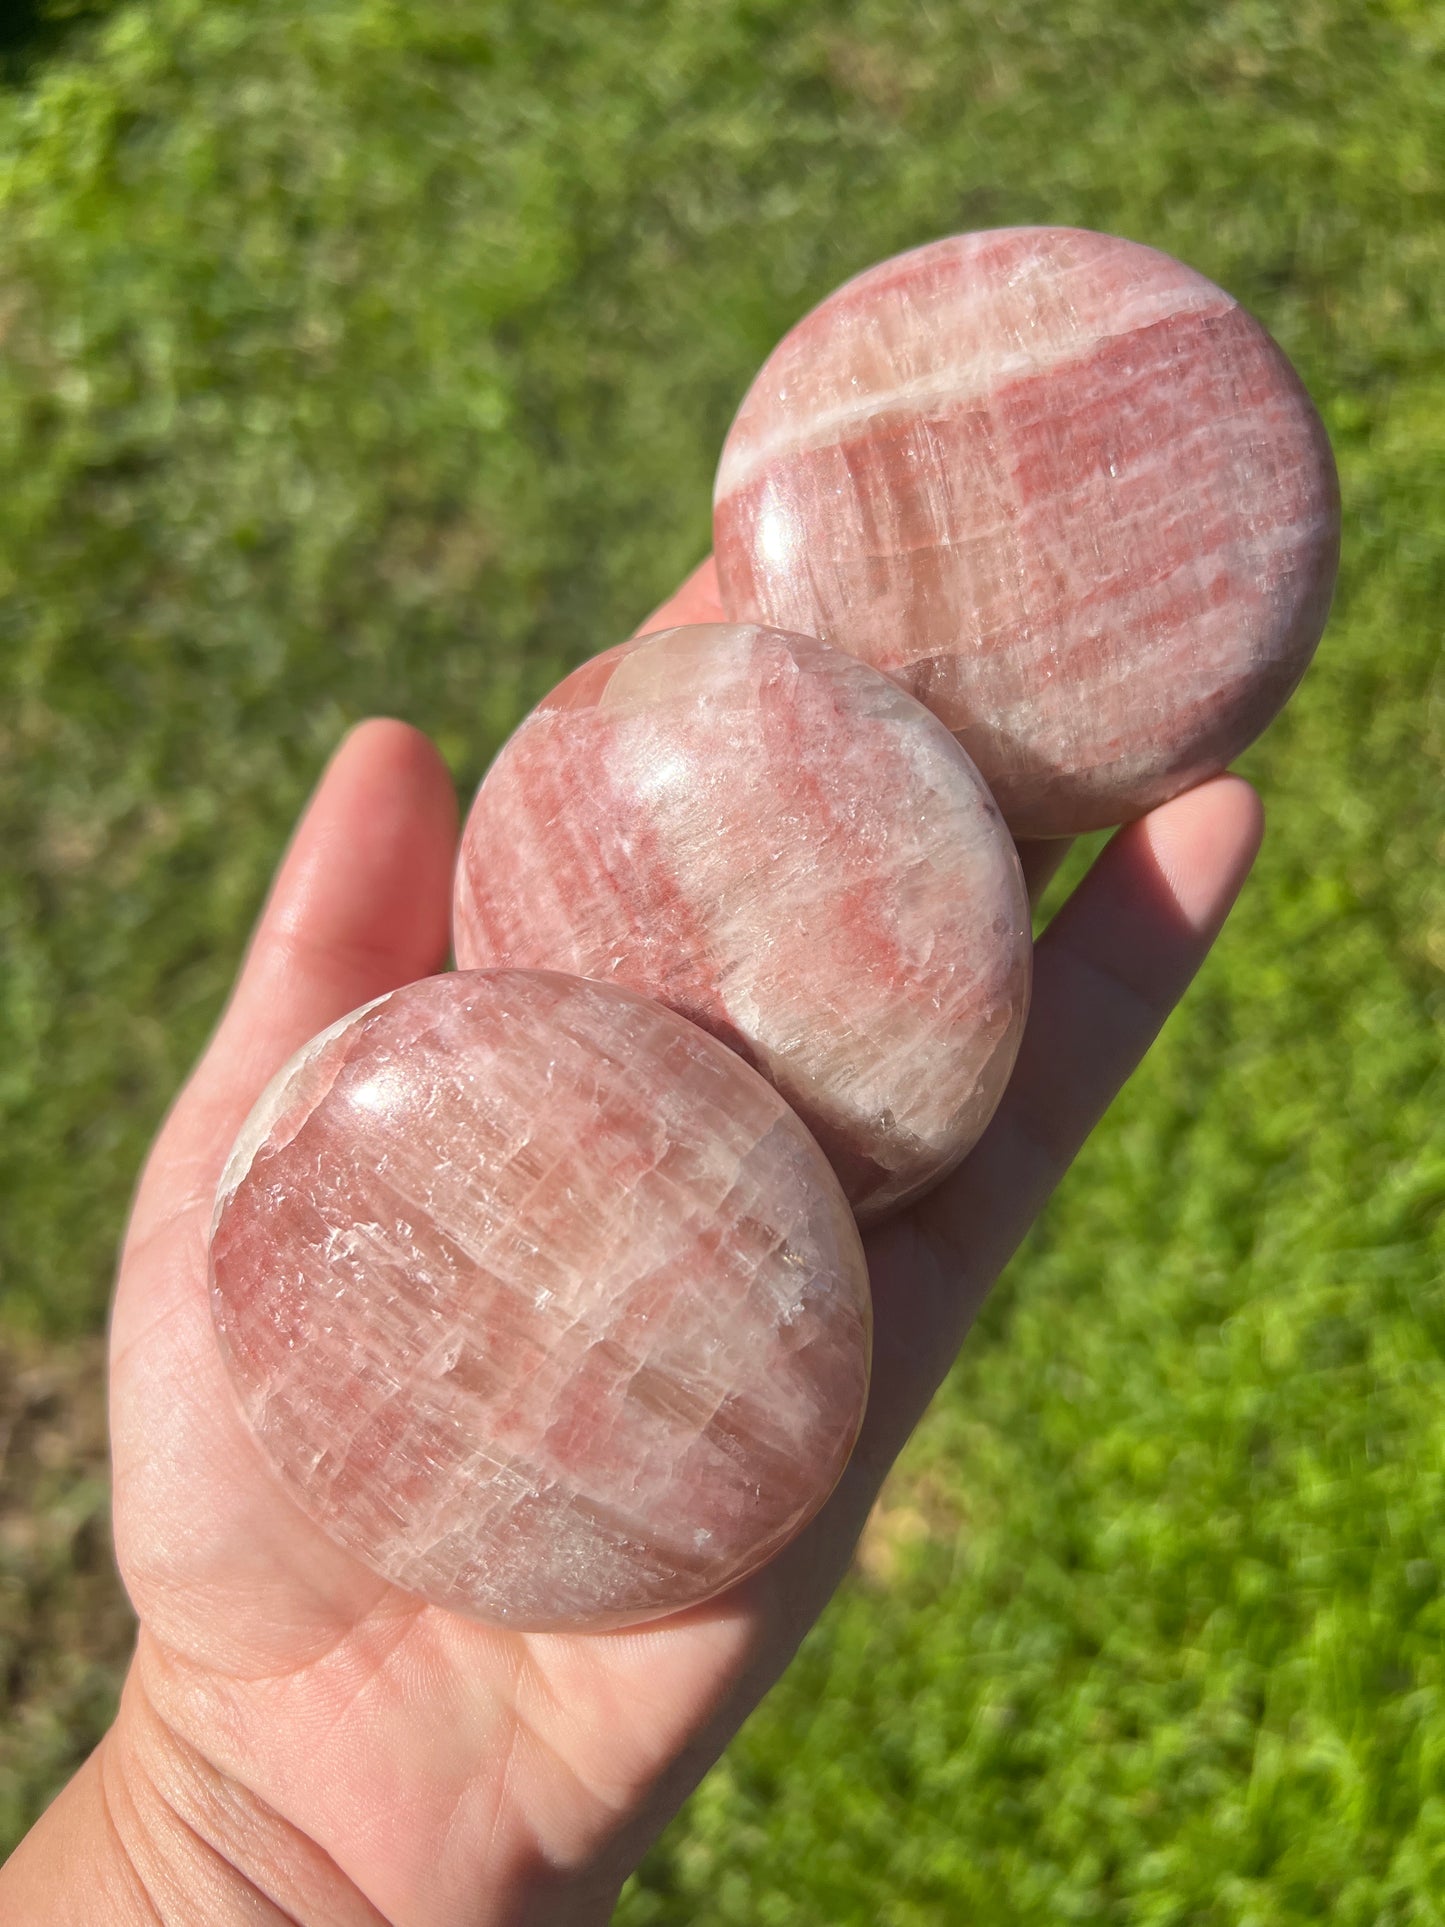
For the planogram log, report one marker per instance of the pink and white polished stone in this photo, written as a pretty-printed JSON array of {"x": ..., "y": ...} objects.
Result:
[
  {"x": 540, "y": 1301},
  {"x": 1064, "y": 489},
  {"x": 778, "y": 842}
]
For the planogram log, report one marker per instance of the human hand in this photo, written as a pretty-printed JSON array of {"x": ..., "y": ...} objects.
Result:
[{"x": 297, "y": 1740}]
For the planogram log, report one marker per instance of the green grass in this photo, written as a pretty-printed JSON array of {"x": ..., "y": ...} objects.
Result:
[{"x": 370, "y": 356}]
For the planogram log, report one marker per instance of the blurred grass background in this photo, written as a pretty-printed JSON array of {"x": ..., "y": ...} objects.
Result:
[{"x": 371, "y": 356}]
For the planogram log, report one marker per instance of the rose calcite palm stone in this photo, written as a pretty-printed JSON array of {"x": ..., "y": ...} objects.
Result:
[
  {"x": 539, "y": 1301},
  {"x": 1064, "y": 489},
  {"x": 778, "y": 842}
]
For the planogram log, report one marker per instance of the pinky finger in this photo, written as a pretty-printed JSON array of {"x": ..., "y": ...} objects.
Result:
[{"x": 1108, "y": 971}]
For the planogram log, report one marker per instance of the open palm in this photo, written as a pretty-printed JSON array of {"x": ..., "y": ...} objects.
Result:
[{"x": 335, "y": 1750}]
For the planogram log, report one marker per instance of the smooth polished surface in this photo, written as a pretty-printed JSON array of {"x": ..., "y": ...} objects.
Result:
[
  {"x": 1061, "y": 486},
  {"x": 776, "y": 841},
  {"x": 540, "y": 1301}
]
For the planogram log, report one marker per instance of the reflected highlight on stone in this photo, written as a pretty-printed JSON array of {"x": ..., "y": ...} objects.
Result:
[
  {"x": 540, "y": 1301},
  {"x": 776, "y": 841},
  {"x": 1064, "y": 489}
]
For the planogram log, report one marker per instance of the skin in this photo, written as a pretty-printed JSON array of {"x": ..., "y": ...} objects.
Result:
[{"x": 298, "y": 1742}]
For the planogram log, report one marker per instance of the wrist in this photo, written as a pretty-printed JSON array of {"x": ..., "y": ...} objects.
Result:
[{"x": 150, "y": 1833}]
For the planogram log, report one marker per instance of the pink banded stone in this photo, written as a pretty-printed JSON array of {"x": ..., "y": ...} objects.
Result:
[
  {"x": 778, "y": 842},
  {"x": 1064, "y": 489},
  {"x": 539, "y": 1301}
]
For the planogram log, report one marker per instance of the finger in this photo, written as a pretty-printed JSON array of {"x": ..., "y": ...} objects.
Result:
[
  {"x": 359, "y": 906},
  {"x": 360, "y": 903},
  {"x": 1107, "y": 972},
  {"x": 698, "y": 600},
  {"x": 1109, "y": 968}
]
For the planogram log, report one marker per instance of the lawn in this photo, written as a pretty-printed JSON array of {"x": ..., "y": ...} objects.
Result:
[{"x": 371, "y": 356}]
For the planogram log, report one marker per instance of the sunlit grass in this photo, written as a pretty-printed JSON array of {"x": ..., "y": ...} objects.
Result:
[{"x": 365, "y": 357}]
